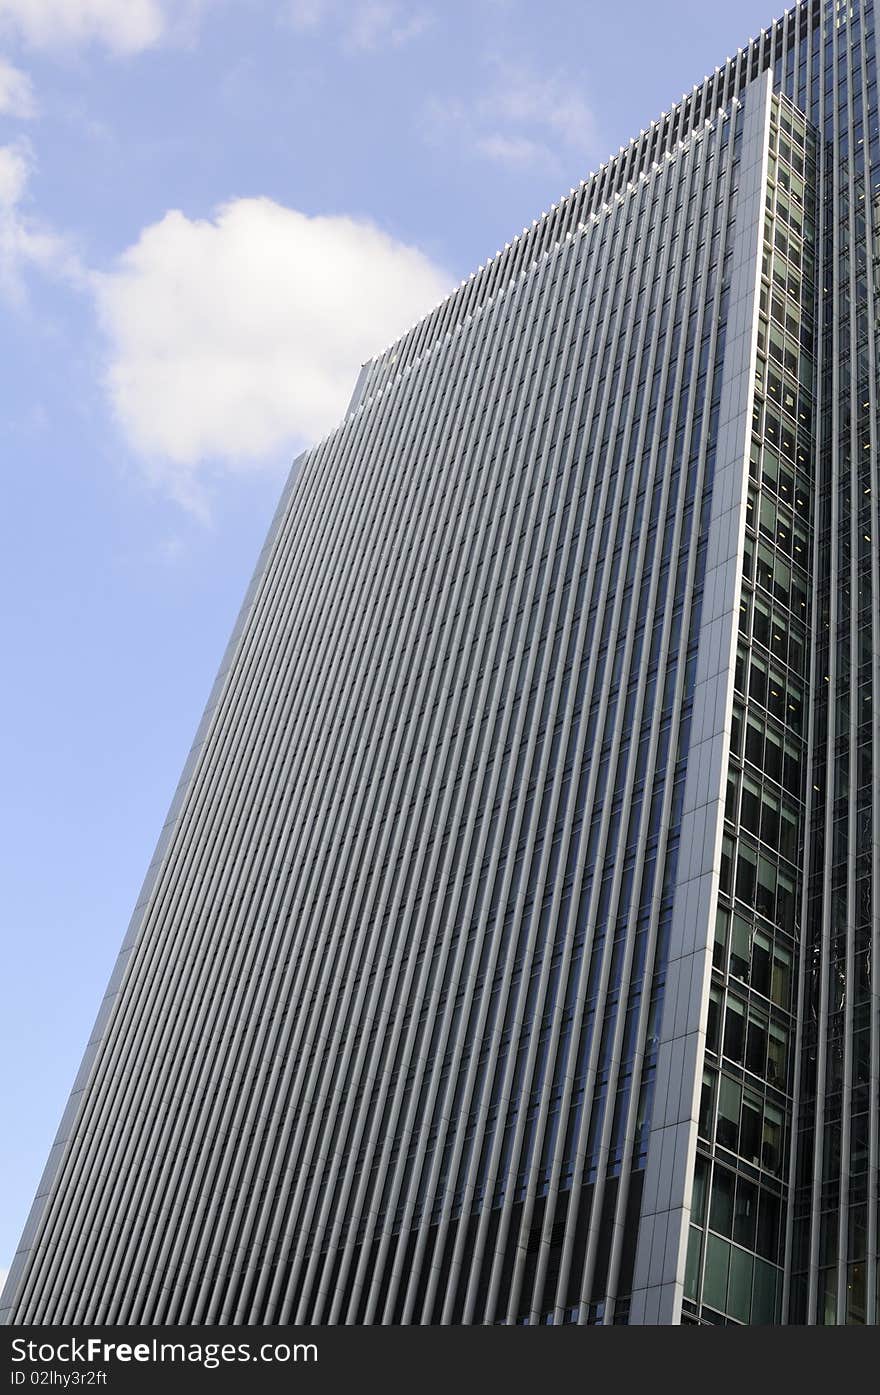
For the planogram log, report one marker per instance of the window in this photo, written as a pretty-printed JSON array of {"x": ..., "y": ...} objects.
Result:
[{"x": 716, "y": 1273}]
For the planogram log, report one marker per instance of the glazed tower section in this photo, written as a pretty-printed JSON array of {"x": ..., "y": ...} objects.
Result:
[
  {"x": 834, "y": 1237},
  {"x": 740, "y": 1210}
]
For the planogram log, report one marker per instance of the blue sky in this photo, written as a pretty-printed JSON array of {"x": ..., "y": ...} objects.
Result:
[{"x": 211, "y": 211}]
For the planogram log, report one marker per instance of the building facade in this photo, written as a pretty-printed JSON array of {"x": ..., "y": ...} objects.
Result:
[{"x": 507, "y": 955}]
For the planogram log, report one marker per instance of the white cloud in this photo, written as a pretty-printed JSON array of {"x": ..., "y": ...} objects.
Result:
[
  {"x": 379, "y": 24},
  {"x": 522, "y": 119},
  {"x": 16, "y": 92},
  {"x": 513, "y": 150},
  {"x": 364, "y": 26},
  {"x": 553, "y": 102},
  {"x": 123, "y": 26},
  {"x": 308, "y": 14},
  {"x": 24, "y": 241},
  {"x": 239, "y": 336},
  {"x": 13, "y": 175}
]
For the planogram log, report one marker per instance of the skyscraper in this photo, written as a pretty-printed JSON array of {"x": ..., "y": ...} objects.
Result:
[{"x": 508, "y": 953}]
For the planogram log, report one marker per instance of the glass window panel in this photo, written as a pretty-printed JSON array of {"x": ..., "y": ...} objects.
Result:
[
  {"x": 785, "y": 486},
  {"x": 730, "y": 802},
  {"x": 707, "y": 1102},
  {"x": 764, "y": 569},
  {"x": 713, "y": 1019},
  {"x": 740, "y": 1291},
  {"x": 724, "y": 879},
  {"x": 779, "y": 638},
  {"x": 750, "y": 811},
  {"x": 796, "y": 653},
  {"x": 786, "y": 903},
  {"x": 828, "y": 1297},
  {"x": 776, "y": 340},
  {"x": 776, "y": 694},
  {"x": 734, "y": 1030},
  {"x": 755, "y": 741},
  {"x": 764, "y": 1293},
  {"x": 855, "y": 1294},
  {"x": 756, "y": 1044},
  {"x": 780, "y": 990},
  {"x": 698, "y": 1196},
  {"x": 788, "y": 835},
  {"x": 722, "y": 930},
  {"x": 858, "y": 1230},
  {"x": 773, "y": 757},
  {"x": 794, "y": 707},
  {"x": 783, "y": 533},
  {"x": 748, "y": 557},
  {"x": 777, "y": 1056},
  {"x": 750, "y": 1129},
  {"x": 769, "y": 1210},
  {"x": 745, "y": 1213},
  {"x": 771, "y": 1149},
  {"x": 692, "y": 1264},
  {"x": 721, "y": 1209},
  {"x": 736, "y": 731},
  {"x": 761, "y": 623},
  {"x": 765, "y": 897},
  {"x": 758, "y": 681},
  {"x": 739, "y": 674},
  {"x": 761, "y": 963},
  {"x": 746, "y": 875},
  {"x": 729, "y": 1099},
  {"x": 716, "y": 1272},
  {"x": 781, "y": 580},
  {"x": 770, "y": 819},
  {"x": 770, "y": 466},
  {"x": 767, "y": 521},
  {"x": 739, "y": 948}
]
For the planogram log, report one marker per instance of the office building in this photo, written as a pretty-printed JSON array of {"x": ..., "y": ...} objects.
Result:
[{"x": 508, "y": 955}]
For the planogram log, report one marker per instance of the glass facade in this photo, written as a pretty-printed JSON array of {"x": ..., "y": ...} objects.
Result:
[
  {"x": 507, "y": 954},
  {"x": 736, "y": 1243}
]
